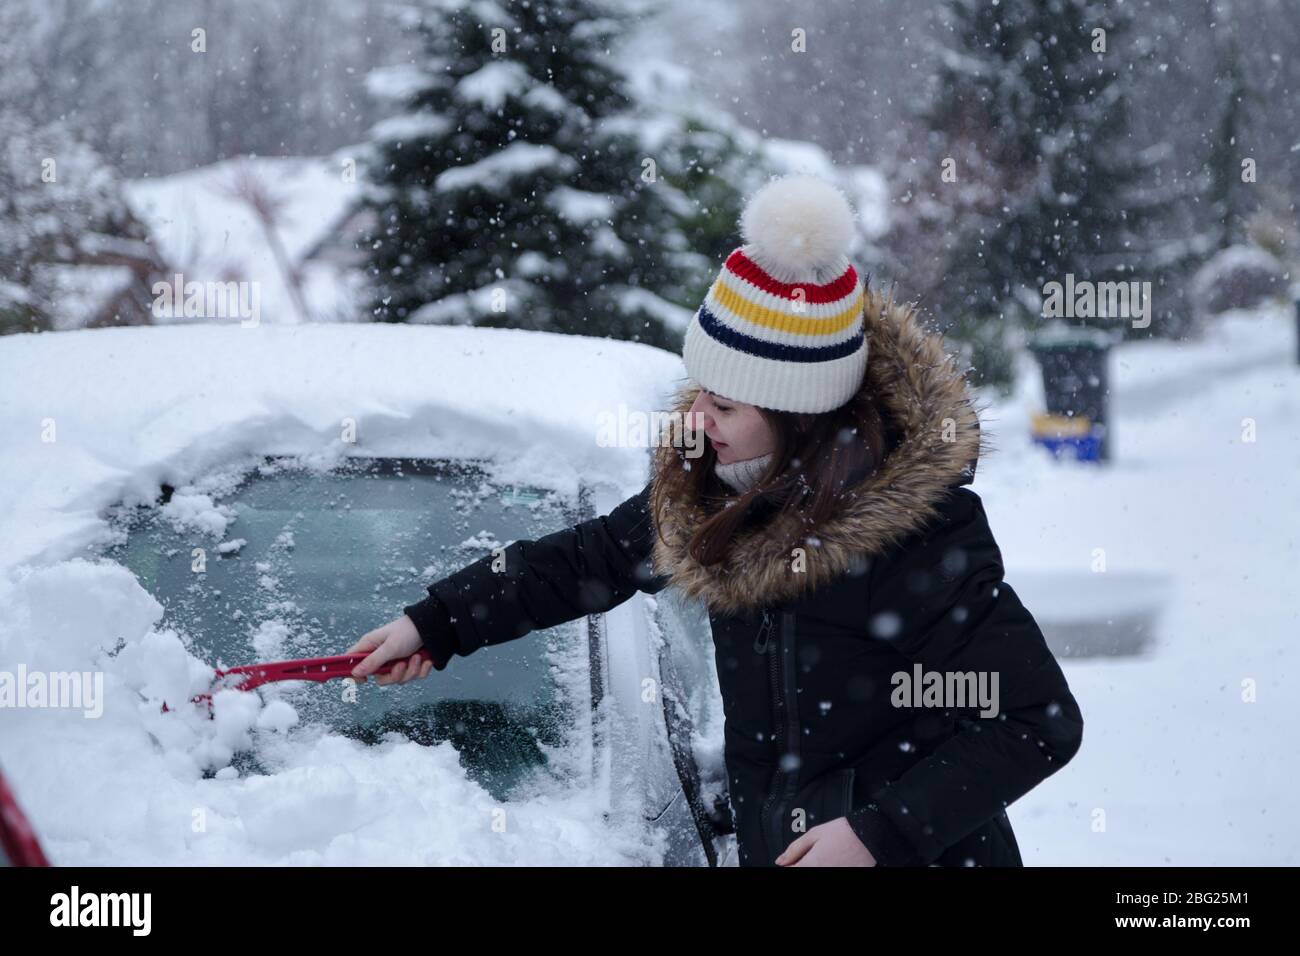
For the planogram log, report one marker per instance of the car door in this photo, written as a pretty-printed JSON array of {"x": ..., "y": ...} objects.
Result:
[{"x": 692, "y": 715}]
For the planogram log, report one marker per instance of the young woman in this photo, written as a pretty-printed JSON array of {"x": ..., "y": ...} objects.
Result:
[{"x": 854, "y": 588}]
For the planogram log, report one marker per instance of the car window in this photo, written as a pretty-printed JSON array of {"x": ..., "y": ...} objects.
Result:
[{"x": 289, "y": 561}]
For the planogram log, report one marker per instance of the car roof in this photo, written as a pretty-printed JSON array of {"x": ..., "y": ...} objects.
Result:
[{"x": 103, "y": 412}]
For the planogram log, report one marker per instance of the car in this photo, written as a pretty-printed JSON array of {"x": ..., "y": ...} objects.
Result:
[
  {"x": 313, "y": 556},
  {"x": 220, "y": 481}
]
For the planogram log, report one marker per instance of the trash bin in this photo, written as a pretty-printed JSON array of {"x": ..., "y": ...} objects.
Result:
[{"x": 1075, "y": 360}]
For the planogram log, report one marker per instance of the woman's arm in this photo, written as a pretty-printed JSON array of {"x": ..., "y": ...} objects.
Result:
[
  {"x": 956, "y": 614},
  {"x": 585, "y": 569}
]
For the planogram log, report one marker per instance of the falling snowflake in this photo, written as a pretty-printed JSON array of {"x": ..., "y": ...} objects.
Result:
[{"x": 886, "y": 625}]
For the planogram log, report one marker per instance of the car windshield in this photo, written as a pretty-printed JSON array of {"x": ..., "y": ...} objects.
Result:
[{"x": 290, "y": 561}]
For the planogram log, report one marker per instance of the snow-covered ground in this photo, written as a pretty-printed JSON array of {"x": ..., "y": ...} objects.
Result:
[{"x": 1175, "y": 767}]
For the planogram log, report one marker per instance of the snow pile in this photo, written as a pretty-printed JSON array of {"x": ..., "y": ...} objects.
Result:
[
  {"x": 491, "y": 85},
  {"x": 1237, "y": 277},
  {"x": 496, "y": 172},
  {"x": 93, "y": 417},
  {"x": 129, "y": 786},
  {"x": 579, "y": 206}
]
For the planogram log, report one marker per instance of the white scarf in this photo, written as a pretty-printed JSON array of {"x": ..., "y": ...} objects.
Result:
[{"x": 741, "y": 475}]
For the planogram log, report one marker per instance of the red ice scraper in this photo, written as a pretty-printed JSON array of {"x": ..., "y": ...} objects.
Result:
[{"x": 319, "y": 669}]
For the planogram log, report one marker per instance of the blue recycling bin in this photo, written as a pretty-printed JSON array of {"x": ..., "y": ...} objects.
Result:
[
  {"x": 1074, "y": 438},
  {"x": 1074, "y": 361}
]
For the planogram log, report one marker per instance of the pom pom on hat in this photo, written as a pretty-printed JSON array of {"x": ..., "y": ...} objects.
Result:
[{"x": 798, "y": 228}]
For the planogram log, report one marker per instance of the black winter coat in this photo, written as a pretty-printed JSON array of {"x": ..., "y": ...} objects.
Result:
[{"x": 812, "y": 627}]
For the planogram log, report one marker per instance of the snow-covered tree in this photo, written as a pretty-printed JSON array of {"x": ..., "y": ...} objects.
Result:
[
  {"x": 1031, "y": 112},
  {"x": 56, "y": 194},
  {"x": 514, "y": 187},
  {"x": 1235, "y": 105}
]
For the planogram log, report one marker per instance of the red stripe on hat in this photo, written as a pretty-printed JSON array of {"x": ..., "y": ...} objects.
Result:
[{"x": 744, "y": 267}]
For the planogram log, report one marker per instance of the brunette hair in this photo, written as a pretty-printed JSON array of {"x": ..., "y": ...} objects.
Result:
[{"x": 817, "y": 458}]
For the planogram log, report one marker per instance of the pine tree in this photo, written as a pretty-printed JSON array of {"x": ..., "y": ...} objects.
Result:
[
  {"x": 1039, "y": 91},
  {"x": 1235, "y": 103},
  {"x": 513, "y": 189}
]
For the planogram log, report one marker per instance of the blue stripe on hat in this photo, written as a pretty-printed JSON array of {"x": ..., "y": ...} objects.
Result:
[{"x": 780, "y": 351}]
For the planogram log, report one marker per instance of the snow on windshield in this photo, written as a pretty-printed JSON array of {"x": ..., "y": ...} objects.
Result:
[{"x": 129, "y": 786}]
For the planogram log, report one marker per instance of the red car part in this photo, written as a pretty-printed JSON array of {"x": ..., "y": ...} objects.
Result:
[{"x": 17, "y": 840}]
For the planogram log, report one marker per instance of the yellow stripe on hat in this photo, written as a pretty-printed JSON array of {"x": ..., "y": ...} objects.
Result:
[
  {"x": 782, "y": 304},
  {"x": 785, "y": 321}
]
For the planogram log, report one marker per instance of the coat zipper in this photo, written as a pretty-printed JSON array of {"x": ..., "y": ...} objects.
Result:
[
  {"x": 784, "y": 705},
  {"x": 764, "y": 630}
]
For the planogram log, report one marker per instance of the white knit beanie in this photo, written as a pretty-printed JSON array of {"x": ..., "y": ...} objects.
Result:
[{"x": 781, "y": 326}]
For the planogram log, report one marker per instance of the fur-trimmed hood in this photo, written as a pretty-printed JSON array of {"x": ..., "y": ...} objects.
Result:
[{"x": 930, "y": 406}]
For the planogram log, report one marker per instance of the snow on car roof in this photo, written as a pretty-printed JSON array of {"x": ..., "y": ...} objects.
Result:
[{"x": 99, "y": 416}]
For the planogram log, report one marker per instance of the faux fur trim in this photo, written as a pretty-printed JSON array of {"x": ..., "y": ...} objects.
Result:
[{"x": 940, "y": 441}]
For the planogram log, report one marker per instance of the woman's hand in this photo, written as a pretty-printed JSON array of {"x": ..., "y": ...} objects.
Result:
[
  {"x": 832, "y": 843},
  {"x": 396, "y": 639}
]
